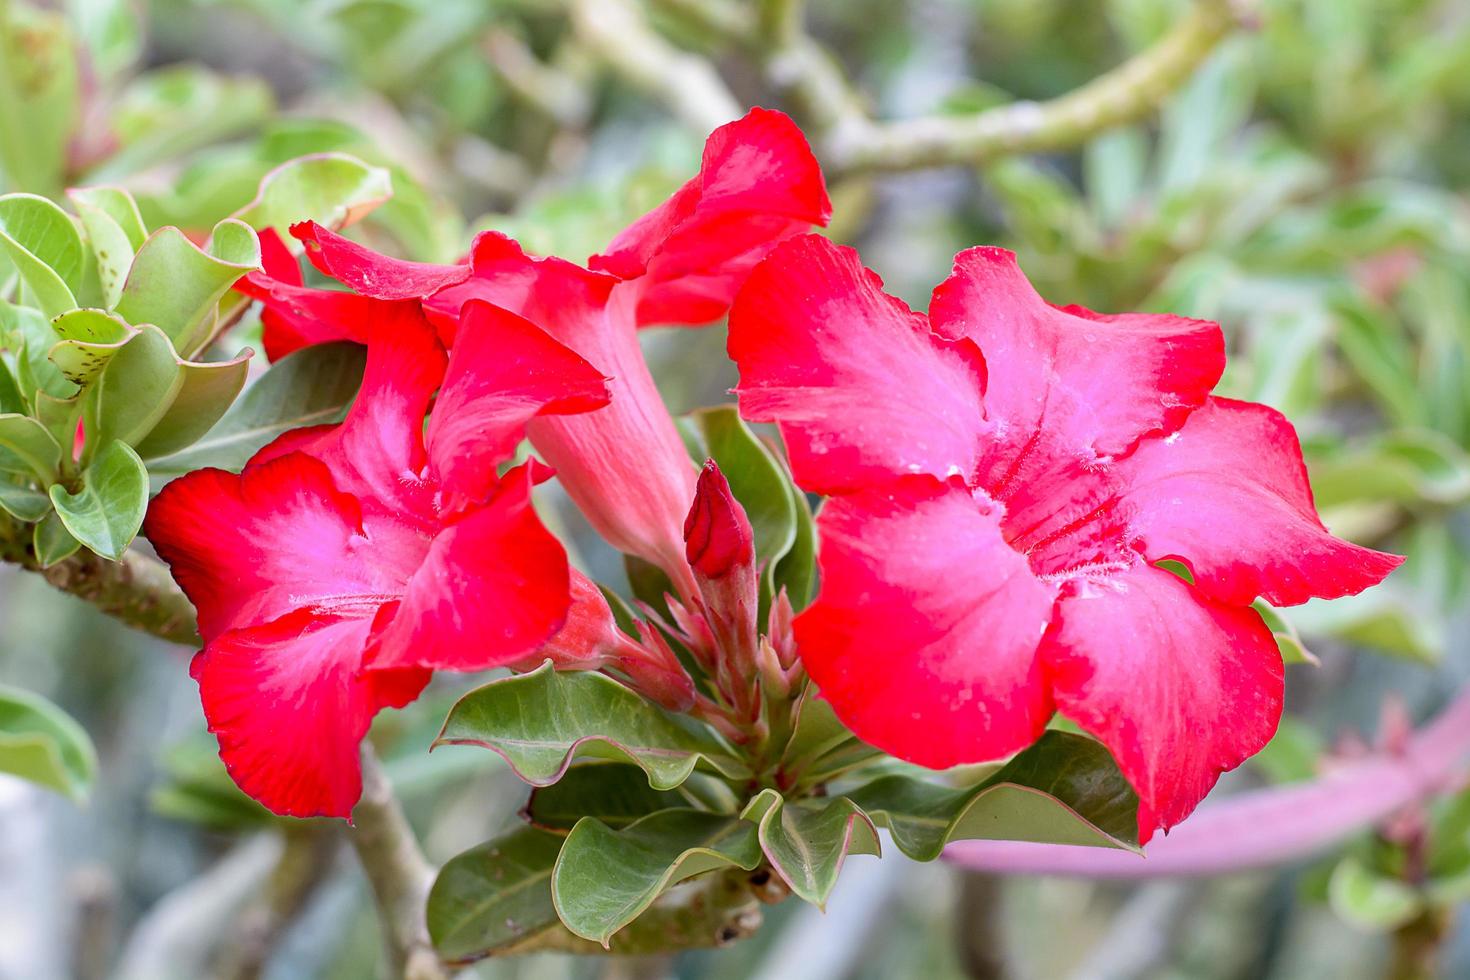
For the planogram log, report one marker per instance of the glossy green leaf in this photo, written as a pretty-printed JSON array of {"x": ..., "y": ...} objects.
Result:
[
  {"x": 51, "y": 541},
  {"x": 807, "y": 841},
  {"x": 332, "y": 189},
  {"x": 39, "y": 95},
  {"x": 312, "y": 386},
  {"x": 541, "y": 721},
  {"x": 115, "y": 232},
  {"x": 1371, "y": 900},
  {"x": 494, "y": 895},
  {"x": 605, "y": 878},
  {"x": 28, "y": 440},
  {"x": 41, "y": 743},
  {"x": 176, "y": 285},
  {"x": 1288, "y": 640},
  {"x": 1065, "y": 789},
  {"x": 205, "y": 393},
  {"x": 106, "y": 513},
  {"x": 89, "y": 338},
  {"x": 820, "y": 747},
  {"x": 134, "y": 390},
  {"x": 42, "y": 243},
  {"x": 23, "y": 503},
  {"x": 28, "y": 333},
  {"x": 615, "y": 793}
]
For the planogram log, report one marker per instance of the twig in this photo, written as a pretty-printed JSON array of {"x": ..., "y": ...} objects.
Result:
[
  {"x": 622, "y": 38},
  {"x": 550, "y": 91},
  {"x": 1262, "y": 828},
  {"x": 310, "y": 851},
  {"x": 1128, "y": 92},
  {"x": 399, "y": 873},
  {"x": 138, "y": 590}
]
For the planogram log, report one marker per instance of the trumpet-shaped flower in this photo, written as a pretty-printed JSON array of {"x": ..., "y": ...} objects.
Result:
[
  {"x": 1006, "y": 477},
  {"x": 345, "y": 563}
]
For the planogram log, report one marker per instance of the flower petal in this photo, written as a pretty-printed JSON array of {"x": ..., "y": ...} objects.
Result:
[
  {"x": 625, "y": 465},
  {"x": 494, "y": 587},
  {"x": 924, "y": 634},
  {"x": 1180, "y": 688},
  {"x": 290, "y": 706},
  {"x": 1068, "y": 383},
  {"x": 250, "y": 548},
  {"x": 863, "y": 390},
  {"x": 1228, "y": 496},
  {"x": 759, "y": 183},
  {"x": 371, "y": 273},
  {"x": 503, "y": 372}
]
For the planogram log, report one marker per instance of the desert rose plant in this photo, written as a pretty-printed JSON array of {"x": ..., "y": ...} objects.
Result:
[{"x": 1001, "y": 571}]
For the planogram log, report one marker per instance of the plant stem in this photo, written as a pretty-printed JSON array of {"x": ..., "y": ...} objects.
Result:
[
  {"x": 138, "y": 590},
  {"x": 399, "y": 873},
  {"x": 1128, "y": 92}
]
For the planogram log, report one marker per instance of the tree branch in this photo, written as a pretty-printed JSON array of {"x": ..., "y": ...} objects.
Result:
[
  {"x": 1128, "y": 92},
  {"x": 687, "y": 84},
  {"x": 399, "y": 873},
  {"x": 138, "y": 590}
]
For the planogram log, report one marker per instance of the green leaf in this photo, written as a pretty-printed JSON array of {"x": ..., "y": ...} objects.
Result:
[
  {"x": 134, "y": 390},
  {"x": 197, "y": 789},
  {"x": 820, "y": 746},
  {"x": 115, "y": 232},
  {"x": 89, "y": 338},
  {"x": 494, "y": 895},
  {"x": 205, "y": 393},
  {"x": 106, "y": 513},
  {"x": 39, "y": 102},
  {"x": 605, "y": 878},
  {"x": 51, "y": 541},
  {"x": 1065, "y": 789},
  {"x": 807, "y": 841},
  {"x": 332, "y": 189},
  {"x": 41, "y": 241},
  {"x": 796, "y": 572},
  {"x": 176, "y": 285},
  {"x": 28, "y": 440},
  {"x": 23, "y": 503},
  {"x": 1288, "y": 640},
  {"x": 12, "y": 402},
  {"x": 615, "y": 793},
  {"x": 41, "y": 743},
  {"x": 1391, "y": 620},
  {"x": 1370, "y": 900},
  {"x": 28, "y": 333},
  {"x": 312, "y": 386},
  {"x": 1407, "y": 466},
  {"x": 541, "y": 721}
]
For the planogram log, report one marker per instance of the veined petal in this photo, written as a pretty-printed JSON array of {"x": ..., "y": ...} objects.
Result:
[
  {"x": 1068, "y": 384},
  {"x": 503, "y": 372},
  {"x": 252, "y": 547},
  {"x": 493, "y": 587},
  {"x": 623, "y": 465},
  {"x": 1180, "y": 688},
  {"x": 294, "y": 316},
  {"x": 758, "y": 184},
  {"x": 1228, "y": 496},
  {"x": 924, "y": 635},
  {"x": 863, "y": 390},
  {"x": 371, "y": 273},
  {"x": 290, "y": 706}
]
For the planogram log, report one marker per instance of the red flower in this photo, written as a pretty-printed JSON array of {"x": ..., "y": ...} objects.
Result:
[
  {"x": 682, "y": 263},
  {"x": 1006, "y": 477},
  {"x": 347, "y": 562}
]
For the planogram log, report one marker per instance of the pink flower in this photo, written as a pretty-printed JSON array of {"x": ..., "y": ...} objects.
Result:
[
  {"x": 1006, "y": 476},
  {"x": 347, "y": 562},
  {"x": 682, "y": 263}
]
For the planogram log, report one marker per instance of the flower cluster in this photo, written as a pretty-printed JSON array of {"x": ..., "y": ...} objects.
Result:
[{"x": 1004, "y": 477}]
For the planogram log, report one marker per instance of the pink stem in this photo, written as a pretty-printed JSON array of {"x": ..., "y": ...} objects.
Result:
[{"x": 1260, "y": 828}]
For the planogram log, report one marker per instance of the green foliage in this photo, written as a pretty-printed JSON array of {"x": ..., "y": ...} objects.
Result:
[
  {"x": 541, "y": 721},
  {"x": 494, "y": 895},
  {"x": 41, "y": 743},
  {"x": 108, "y": 510}
]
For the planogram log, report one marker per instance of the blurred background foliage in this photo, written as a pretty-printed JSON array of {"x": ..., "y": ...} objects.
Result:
[{"x": 1307, "y": 188}]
